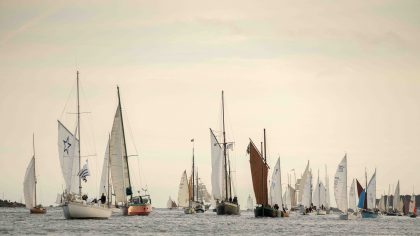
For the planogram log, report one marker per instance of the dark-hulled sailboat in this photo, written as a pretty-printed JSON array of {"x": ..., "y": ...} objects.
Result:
[
  {"x": 226, "y": 202},
  {"x": 259, "y": 171}
]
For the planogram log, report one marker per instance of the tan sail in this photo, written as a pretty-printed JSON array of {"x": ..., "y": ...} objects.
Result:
[{"x": 259, "y": 171}]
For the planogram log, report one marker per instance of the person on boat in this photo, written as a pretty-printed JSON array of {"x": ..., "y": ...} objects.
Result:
[
  {"x": 284, "y": 209},
  {"x": 322, "y": 207},
  {"x": 276, "y": 206},
  {"x": 230, "y": 199},
  {"x": 235, "y": 200},
  {"x": 103, "y": 198},
  {"x": 84, "y": 197}
]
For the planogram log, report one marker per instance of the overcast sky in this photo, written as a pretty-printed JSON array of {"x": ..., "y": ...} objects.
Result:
[{"x": 324, "y": 78}]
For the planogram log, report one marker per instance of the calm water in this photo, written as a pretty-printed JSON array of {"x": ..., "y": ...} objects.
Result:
[{"x": 175, "y": 222}]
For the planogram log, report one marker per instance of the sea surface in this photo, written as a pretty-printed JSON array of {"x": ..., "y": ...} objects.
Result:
[{"x": 18, "y": 221}]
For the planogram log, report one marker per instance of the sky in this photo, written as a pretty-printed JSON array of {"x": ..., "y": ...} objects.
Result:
[{"x": 324, "y": 78}]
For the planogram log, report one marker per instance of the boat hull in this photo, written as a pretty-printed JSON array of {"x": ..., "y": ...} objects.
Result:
[
  {"x": 321, "y": 212},
  {"x": 369, "y": 214},
  {"x": 265, "y": 211},
  {"x": 284, "y": 214},
  {"x": 227, "y": 208},
  {"x": 137, "y": 210},
  {"x": 189, "y": 210},
  {"x": 75, "y": 210},
  {"x": 38, "y": 210}
]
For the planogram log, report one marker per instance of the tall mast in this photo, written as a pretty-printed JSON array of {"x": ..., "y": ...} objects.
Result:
[
  {"x": 193, "y": 172},
  {"x": 109, "y": 168},
  {"x": 265, "y": 161},
  {"x": 365, "y": 203},
  {"x": 78, "y": 129},
  {"x": 281, "y": 194},
  {"x": 197, "y": 184},
  {"x": 125, "y": 146},
  {"x": 33, "y": 146},
  {"x": 319, "y": 191},
  {"x": 224, "y": 145}
]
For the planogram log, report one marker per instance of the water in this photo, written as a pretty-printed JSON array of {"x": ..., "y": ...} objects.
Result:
[{"x": 18, "y": 221}]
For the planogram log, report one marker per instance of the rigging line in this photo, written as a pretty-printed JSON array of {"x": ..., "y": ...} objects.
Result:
[{"x": 67, "y": 101}]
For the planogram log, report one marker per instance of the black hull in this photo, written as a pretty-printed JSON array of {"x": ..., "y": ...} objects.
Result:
[
  {"x": 227, "y": 208},
  {"x": 265, "y": 212}
]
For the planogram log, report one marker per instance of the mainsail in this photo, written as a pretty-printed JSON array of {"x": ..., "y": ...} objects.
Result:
[
  {"x": 327, "y": 189},
  {"x": 217, "y": 170},
  {"x": 340, "y": 185},
  {"x": 275, "y": 188},
  {"x": 119, "y": 164},
  {"x": 352, "y": 197},
  {"x": 105, "y": 177},
  {"x": 305, "y": 187},
  {"x": 319, "y": 195},
  {"x": 183, "y": 191},
  {"x": 396, "y": 199},
  {"x": 68, "y": 153},
  {"x": 371, "y": 192},
  {"x": 29, "y": 185},
  {"x": 259, "y": 171}
]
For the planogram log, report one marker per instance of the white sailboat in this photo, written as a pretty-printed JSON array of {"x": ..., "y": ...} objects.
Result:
[
  {"x": 74, "y": 203},
  {"x": 340, "y": 188},
  {"x": 369, "y": 210},
  {"x": 183, "y": 191},
  {"x": 29, "y": 187},
  {"x": 327, "y": 192},
  {"x": 120, "y": 171},
  {"x": 250, "y": 204},
  {"x": 319, "y": 198},
  {"x": 353, "y": 198},
  {"x": 276, "y": 192},
  {"x": 306, "y": 191}
]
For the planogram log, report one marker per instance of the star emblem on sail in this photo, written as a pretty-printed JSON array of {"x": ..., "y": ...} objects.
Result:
[
  {"x": 66, "y": 145},
  {"x": 84, "y": 172}
]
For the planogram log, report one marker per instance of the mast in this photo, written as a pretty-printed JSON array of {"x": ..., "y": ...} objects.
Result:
[
  {"x": 109, "y": 168},
  {"x": 319, "y": 192},
  {"x": 125, "y": 146},
  {"x": 262, "y": 173},
  {"x": 197, "y": 184},
  {"x": 365, "y": 203},
  {"x": 193, "y": 172},
  {"x": 33, "y": 146},
  {"x": 281, "y": 192},
  {"x": 230, "y": 179},
  {"x": 78, "y": 129},
  {"x": 224, "y": 144}
]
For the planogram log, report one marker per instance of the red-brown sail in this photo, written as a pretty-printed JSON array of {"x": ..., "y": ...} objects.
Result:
[{"x": 259, "y": 171}]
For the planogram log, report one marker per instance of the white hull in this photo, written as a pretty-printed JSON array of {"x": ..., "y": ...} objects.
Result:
[{"x": 75, "y": 210}]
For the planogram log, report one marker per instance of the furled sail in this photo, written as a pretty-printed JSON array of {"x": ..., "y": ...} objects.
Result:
[
  {"x": 396, "y": 199},
  {"x": 340, "y": 185},
  {"x": 68, "y": 153},
  {"x": 352, "y": 197},
  {"x": 275, "y": 188},
  {"x": 29, "y": 185},
  {"x": 183, "y": 191},
  {"x": 105, "y": 177},
  {"x": 119, "y": 164},
  {"x": 305, "y": 187},
  {"x": 259, "y": 171},
  {"x": 217, "y": 170},
  {"x": 371, "y": 192}
]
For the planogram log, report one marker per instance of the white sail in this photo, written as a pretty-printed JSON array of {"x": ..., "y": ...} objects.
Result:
[
  {"x": 381, "y": 205},
  {"x": 400, "y": 206},
  {"x": 319, "y": 195},
  {"x": 371, "y": 192},
  {"x": 327, "y": 189},
  {"x": 412, "y": 205},
  {"x": 169, "y": 203},
  {"x": 275, "y": 188},
  {"x": 287, "y": 198},
  {"x": 340, "y": 185},
  {"x": 250, "y": 203},
  {"x": 105, "y": 177},
  {"x": 352, "y": 196},
  {"x": 305, "y": 187},
  {"x": 396, "y": 199},
  {"x": 29, "y": 185},
  {"x": 183, "y": 191},
  {"x": 68, "y": 153},
  {"x": 217, "y": 170},
  {"x": 119, "y": 165}
]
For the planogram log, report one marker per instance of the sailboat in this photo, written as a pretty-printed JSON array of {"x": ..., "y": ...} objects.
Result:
[
  {"x": 184, "y": 191},
  {"x": 367, "y": 199},
  {"x": 249, "y": 203},
  {"x": 221, "y": 180},
  {"x": 29, "y": 187},
  {"x": 120, "y": 171},
  {"x": 340, "y": 188},
  {"x": 305, "y": 191},
  {"x": 170, "y": 204},
  {"x": 276, "y": 193},
  {"x": 381, "y": 204},
  {"x": 412, "y": 210},
  {"x": 327, "y": 192},
  {"x": 319, "y": 198},
  {"x": 259, "y": 172},
  {"x": 194, "y": 206},
  {"x": 353, "y": 202},
  {"x": 74, "y": 202}
]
